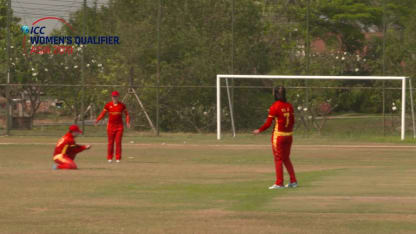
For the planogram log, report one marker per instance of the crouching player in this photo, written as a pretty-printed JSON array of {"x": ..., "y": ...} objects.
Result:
[
  {"x": 282, "y": 113},
  {"x": 66, "y": 150}
]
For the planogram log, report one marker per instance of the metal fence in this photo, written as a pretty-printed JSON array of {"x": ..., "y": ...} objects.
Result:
[{"x": 192, "y": 109}]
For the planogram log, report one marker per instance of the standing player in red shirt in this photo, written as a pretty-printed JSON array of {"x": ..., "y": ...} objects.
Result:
[
  {"x": 282, "y": 113},
  {"x": 115, "y": 127},
  {"x": 66, "y": 150}
]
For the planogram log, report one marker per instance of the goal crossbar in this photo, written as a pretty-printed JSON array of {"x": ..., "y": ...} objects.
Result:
[{"x": 307, "y": 77}]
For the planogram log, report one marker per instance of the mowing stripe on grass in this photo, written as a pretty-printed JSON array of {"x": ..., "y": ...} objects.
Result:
[
  {"x": 245, "y": 146},
  {"x": 252, "y": 195}
]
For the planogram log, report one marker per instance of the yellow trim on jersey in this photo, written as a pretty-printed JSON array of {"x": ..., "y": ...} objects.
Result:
[
  {"x": 276, "y": 133},
  {"x": 284, "y": 133},
  {"x": 60, "y": 157},
  {"x": 276, "y": 130},
  {"x": 64, "y": 149}
]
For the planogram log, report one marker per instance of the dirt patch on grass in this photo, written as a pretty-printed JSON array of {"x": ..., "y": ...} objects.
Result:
[
  {"x": 37, "y": 210},
  {"x": 210, "y": 213},
  {"x": 222, "y": 221},
  {"x": 354, "y": 198},
  {"x": 362, "y": 216}
]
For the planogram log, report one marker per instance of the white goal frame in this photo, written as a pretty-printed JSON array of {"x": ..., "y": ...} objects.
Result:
[{"x": 288, "y": 77}]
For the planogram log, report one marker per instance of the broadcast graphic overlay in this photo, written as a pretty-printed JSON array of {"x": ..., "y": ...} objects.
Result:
[{"x": 40, "y": 43}]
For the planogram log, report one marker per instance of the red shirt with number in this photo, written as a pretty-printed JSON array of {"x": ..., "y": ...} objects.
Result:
[
  {"x": 115, "y": 114},
  {"x": 283, "y": 114}
]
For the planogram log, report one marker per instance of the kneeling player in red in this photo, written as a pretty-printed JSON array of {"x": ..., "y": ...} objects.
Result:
[
  {"x": 66, "y": 150},
  {"x": 282, "y": 113}
]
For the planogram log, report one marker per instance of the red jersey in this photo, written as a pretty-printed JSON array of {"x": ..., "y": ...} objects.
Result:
[
  {"x": 66, "y": 146},
  {"x": 115, "y": 112},
  {"x": 283, "y": 114}
]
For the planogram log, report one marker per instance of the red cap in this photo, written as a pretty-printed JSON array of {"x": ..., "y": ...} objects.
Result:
[
  {"x": 74, "y": 128},
  {"x": 115, "y": 94}
]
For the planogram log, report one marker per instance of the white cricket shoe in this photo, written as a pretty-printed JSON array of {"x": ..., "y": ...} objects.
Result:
[
  {"x": 118, "y": 161},
  {"x": 275, "y": 186},
  {"x": 110, "y": 161},
  {"x": 292, "y": 185}
]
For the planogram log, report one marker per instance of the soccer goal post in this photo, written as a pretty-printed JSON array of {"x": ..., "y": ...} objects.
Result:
[{"x": 290, "y": 77}]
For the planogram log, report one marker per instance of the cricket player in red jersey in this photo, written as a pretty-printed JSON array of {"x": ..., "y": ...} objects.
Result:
[
  {"x": 115, "y": 126},
  {"x": 282, "y": 113},
  {"x": 66, "y": 150}
]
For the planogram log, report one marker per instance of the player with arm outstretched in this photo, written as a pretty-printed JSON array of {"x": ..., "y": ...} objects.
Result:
[
  {"x": 115, "y": 128},
  {"x": 66, "y": 150},
  {"x": 282, "y": 113}
]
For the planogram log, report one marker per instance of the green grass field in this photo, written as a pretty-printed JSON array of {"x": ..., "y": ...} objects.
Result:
[
  {"x": 349, "y": 128},
  {"x": 194, "y": 184}
]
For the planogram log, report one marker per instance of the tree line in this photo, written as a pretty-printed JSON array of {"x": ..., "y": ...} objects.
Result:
[{"x": 199, "y": 39}]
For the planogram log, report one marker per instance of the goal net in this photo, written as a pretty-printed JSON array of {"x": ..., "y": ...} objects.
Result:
[{"x": 307, "y": 94}]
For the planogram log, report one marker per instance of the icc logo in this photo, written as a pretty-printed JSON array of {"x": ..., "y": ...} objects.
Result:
[
  {"x": 34, "y": 30},
  {"x": 25, "y": 29}
]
